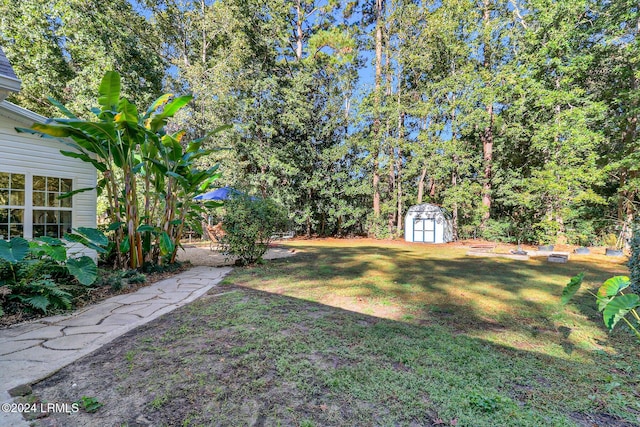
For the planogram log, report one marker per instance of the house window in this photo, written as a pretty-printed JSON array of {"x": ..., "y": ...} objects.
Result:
[
  {"x": 12, "y": 205},
  {"x": 51, "y": 215}
]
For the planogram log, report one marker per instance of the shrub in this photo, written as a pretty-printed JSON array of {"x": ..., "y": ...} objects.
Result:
[
  {"x": 498, "y": 231},
  {"x": 249, "y": 224}
]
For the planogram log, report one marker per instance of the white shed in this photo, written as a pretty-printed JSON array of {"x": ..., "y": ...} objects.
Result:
[
  {"x": 33, "y": 173},
  {"x": 428, "y": 223}
]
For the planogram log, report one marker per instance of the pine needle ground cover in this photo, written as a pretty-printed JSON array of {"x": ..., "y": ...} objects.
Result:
[{"x": 370, "y": 333}]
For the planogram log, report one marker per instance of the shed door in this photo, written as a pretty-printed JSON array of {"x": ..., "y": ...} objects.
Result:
[{"x": 424, "y": 230}]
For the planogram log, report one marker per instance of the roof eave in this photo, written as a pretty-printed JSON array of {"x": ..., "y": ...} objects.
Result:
[
  {"x": 21, "y": 114},
  {"x": 8, "y": 85}
]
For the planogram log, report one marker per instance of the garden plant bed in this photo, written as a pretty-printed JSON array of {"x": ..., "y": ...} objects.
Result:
[
  {"x": 368, "y": 333},
  {"x": 92, "y": 296}
]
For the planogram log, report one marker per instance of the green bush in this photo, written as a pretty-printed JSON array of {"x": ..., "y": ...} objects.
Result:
[
  {"x": 499, "y": 231},
  {"x": 248, "y": 225}
]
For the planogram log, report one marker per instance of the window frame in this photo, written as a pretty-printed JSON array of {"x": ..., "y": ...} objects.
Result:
[
  {"x": 9, "y": 207},
  {"x": 29, "y": 208}
]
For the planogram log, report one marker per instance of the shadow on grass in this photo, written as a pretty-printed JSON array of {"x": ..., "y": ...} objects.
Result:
[
  {"x": 518, "y": 301},
  {"x": 249, "y": 357}
]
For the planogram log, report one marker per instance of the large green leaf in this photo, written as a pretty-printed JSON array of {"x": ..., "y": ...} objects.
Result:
[
  {"x": 166, "y": 245},
  {"x": 97, "y": 130},
  {"x": 14, "y": 250},
  {"x": 618, "y": 307},
  {"x": 43, "y": 129},
  {"x": 611, "y": 288},
  {"x": 61, "y": 107},
  {"x": 85, "y": 158},
  {"x": 127, "y": 112},
  {"x": 84, "y": 269},
  {"x": 124, "y": 245},
  {"x": 49, "y": 246},
  {"x": 109, "y": 91},
  {"x": 147, "y": 228},
  {"x": 572, "y": 287},
  {"x": 115, "y": 225},
  {"x": 156, "y": 104},
  {"x": 74, "y": 192},
  {"x": 89, "y": 237},
  {"x": 159, "y": 120}
]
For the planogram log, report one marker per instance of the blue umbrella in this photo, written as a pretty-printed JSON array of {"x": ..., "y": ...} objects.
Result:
[{"x": 223, "y": 193}]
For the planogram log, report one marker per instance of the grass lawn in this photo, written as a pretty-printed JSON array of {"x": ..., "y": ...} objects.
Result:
[{"x": 371, "y": 333}]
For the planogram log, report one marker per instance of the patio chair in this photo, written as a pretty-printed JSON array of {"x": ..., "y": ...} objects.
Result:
[{"x": 215, "y": 234}]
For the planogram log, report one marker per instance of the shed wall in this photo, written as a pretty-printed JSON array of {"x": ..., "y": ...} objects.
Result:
[{"x": 442, "y": 228}]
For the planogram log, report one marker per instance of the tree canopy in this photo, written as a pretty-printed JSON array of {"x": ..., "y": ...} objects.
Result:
[{"x": 519, "y": 117}]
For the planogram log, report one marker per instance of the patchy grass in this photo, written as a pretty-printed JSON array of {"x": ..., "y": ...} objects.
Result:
[{"x": 350, "y": 333}]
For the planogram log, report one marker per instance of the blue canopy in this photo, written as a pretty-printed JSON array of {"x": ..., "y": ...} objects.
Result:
[{"x": 223, "y": 193}]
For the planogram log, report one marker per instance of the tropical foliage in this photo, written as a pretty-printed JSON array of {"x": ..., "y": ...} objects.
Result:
[
  {"x": 613, "y": 303},
  {"x": 40, "y": 274},
  {"x": 147, "y": 173}
]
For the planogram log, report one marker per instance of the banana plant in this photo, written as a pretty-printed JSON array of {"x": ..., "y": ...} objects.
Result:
[{"x": 148, "y": 176}]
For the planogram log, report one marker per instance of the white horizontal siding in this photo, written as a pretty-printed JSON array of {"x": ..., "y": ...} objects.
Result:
[{"x": 32, "y": 155}]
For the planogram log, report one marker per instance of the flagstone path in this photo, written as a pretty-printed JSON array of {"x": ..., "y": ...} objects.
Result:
[{"x": 32, "y": 351}]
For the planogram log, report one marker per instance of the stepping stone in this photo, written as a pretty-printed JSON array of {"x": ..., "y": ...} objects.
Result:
[
  {"x": 43, "y": 333},
  {"x": 14, "y": 331},
  {"x": 151, "y": 309},
  {"x": 92, "y": 316},
  {"x": 9, "y": 347},
  {"x": 131, "y": 308},
  {"x": 120, "y": 319},
  {"x": 38, "y": 354},
  {"x": 134, "y": 298},
  {"x": 176, "y": 296},
  {"x": 72, "y": 342},
  {"x": 558, "y": 258},
  {"x": 92, "y": 329}
]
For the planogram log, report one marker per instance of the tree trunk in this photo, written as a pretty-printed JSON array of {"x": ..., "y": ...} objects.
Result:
[
  {"x": 376, "y": 120},
  {"x": 487, "y": 135},
  {"x": 423, "y": 174}
]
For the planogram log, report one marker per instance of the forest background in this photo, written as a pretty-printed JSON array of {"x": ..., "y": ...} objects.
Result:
[{"x": 519, "y": 117}]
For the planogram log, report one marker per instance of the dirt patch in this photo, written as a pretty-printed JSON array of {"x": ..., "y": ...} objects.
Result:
[
  {"x": 599, "y": 420},
  {"x": 201, "y": 365},
  {"x": 203, "y": 255}
]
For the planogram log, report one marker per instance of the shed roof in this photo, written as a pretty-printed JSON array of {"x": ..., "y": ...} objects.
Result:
[{"x": 426, "y": 207}]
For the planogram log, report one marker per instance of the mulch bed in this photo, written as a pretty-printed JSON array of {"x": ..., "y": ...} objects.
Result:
[{"x": 94, "y": 296}]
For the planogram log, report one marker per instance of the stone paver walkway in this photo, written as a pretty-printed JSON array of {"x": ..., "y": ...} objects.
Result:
[{"x": 32, "y": 351}]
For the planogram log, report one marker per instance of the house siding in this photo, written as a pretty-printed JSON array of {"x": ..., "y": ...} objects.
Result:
[{"x": 31, "y": 155}]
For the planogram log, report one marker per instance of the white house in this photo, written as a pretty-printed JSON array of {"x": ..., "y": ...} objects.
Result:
[
  {"x": 428, "y": 223},
  {"x": 33, "y": 173}
]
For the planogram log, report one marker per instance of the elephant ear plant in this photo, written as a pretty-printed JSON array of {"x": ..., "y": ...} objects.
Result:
[
  {"x": 37, "y": 273},
  {"x": 613, "y": 301},
  {"x": 148, "y": 174}
]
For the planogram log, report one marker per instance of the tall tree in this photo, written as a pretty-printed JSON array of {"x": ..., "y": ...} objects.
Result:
[{"x": 62, "y": 48}]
